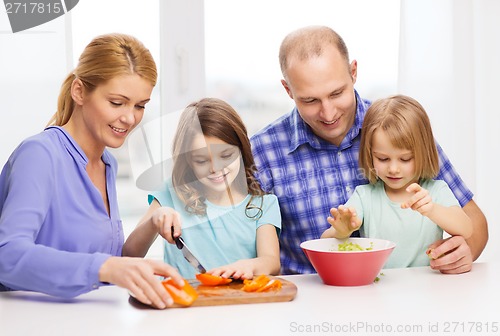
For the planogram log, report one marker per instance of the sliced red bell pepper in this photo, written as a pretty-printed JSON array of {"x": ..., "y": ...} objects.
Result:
[
  {"x": 184, "y": 295},
  {"x": 212, "y": 280}
]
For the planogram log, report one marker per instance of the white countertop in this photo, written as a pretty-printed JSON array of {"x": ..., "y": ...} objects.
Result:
[{"x": 411, "y": 301}]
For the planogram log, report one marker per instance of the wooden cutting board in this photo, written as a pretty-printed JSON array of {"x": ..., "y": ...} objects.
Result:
[{"x": 231, "y": 294}]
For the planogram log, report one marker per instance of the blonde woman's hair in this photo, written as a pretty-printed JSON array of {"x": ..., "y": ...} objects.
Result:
[
  {"x": 211, "y": 117},
  {"x": 310, "y": 41},
  {"x": 104, "y": 58},
  {"x": 408, "y": 127}
]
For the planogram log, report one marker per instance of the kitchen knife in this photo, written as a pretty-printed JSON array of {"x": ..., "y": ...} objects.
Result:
[{"x": 186, "y": 252}]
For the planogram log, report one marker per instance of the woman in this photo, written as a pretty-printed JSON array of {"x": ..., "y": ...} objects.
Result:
[{"x": 60, "y": 230}]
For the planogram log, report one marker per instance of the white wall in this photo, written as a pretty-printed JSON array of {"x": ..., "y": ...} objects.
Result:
[
  {"x": 486, "y": 66},
  {"x": 449, "y": 61},
  {"x": 32, "y": 66},
  {"x": 436, "y": 67},
  {"x": 182, "y": 81},
  {"x": 242, "y": 40}
]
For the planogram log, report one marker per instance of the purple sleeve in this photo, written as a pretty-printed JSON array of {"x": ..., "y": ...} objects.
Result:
[{"x": 27, "y": 189}]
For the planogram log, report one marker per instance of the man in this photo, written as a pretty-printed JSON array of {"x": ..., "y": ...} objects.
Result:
[{"x": 309, "y": 157}]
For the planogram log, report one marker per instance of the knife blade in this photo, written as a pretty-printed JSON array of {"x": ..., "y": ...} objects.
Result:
[{"x": 186, "y": 252}]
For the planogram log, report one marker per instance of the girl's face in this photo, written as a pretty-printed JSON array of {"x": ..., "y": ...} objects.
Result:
[
  {"x": 112, "y": 110},
  {"x": 216, "y": 164},
  {"x": 394, "y": 166}
]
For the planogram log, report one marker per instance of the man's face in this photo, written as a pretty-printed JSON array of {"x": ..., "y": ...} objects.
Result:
[{"x": 323, "y": 90}]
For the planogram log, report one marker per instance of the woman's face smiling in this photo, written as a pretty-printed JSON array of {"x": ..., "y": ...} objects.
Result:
[
  {"x": 110, "y": 112},
  {"x": 216, "y": 164}
]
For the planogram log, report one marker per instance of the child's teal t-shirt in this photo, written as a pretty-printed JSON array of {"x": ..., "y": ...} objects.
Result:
[
  {"x": 411, "y": 231},
  {"x": 224, "y": 235}
]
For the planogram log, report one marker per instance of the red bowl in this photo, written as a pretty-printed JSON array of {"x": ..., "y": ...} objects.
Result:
[{"x": 347, "y": 268}]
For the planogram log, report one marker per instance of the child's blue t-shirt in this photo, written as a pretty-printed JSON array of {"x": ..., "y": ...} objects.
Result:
[
  {"x": 411, "y": 231},
  {"x": 224, "y": 235}
]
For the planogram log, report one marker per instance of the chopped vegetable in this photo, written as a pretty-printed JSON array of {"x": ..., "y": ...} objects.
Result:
[
  {"x": 184, "y": 296},
  {"x": 377, "y": 279},
  {"x": 350, "y": 246},
  {"x": 261, "y": 283},
  {"x": 429, "y": 251},
  {"x": 212, "y": 280},
  {"x": 251, "y": 285},
  {"x": 272, "y": 284}
]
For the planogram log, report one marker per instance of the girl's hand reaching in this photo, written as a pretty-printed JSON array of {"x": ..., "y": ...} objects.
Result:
[
  {"x": 241, "y": 269},
  {"x": 451, "y": 219},
  {"x": 266, "y": 262},
  {"x": 421, "y": 201},
  {"x": 344, "y": 221}
]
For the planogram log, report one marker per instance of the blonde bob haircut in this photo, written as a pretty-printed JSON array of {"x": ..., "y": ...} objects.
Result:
[
  {"x": 408, "y": 127},
  {"x": 104, "y": 58}
]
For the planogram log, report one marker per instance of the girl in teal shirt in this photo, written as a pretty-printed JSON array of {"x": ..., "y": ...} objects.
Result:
[
  {"x": 213, "y": 199},
  {"x": 402, "y": 203}
]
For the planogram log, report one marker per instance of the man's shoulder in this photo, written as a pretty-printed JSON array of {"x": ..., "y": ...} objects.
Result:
[{"x": 277, "y": 126}]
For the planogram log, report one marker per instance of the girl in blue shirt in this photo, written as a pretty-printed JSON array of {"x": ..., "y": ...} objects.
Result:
[
  {"x": 225, "y": 218},
  {"x": 60, "y": 230},
  {"x": 402, "y": 203}
]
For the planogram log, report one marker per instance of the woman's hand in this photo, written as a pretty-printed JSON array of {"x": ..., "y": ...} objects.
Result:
[{"x": 139, "y": 276}]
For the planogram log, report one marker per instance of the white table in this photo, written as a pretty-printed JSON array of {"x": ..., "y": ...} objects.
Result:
[{"x": 412, "y": 301}]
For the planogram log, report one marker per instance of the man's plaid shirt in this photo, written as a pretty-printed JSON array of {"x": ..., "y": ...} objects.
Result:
[{"x": 310, "y": 175}]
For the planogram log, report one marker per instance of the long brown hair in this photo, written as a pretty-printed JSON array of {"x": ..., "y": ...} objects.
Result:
[
  {"x": 214, "y": 118},
  {"x": 407, "y": 125},
  {"x": 104, "y": 58}
]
